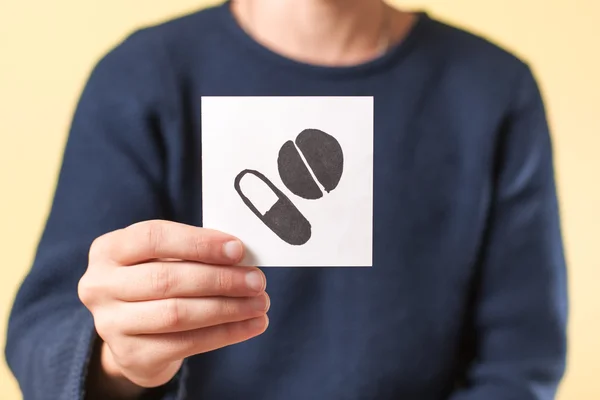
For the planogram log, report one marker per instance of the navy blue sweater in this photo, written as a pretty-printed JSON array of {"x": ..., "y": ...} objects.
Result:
[{"x": 466, "y": 299}]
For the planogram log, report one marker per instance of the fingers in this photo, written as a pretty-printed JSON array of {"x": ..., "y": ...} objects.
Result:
[
  {"x": 164, "y": 239},
  {"x": 166, "y": 279},
  {"x": 216, "y": 337},
  {"x": 153, "y": 359},
  {"x": 171, "y": 347},
  {"x": 179, "y": 315}
]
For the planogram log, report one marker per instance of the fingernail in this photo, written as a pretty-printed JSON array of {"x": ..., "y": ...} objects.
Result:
[
  {"x": 233, "y": 250},
  {"x": 255, "y": 281},
  {"x": 260, "y": 303},
  {"x": 259, "y": 323}
]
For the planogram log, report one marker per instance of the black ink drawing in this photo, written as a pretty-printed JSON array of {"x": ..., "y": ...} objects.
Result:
[
  {"x": 323, "y": 155},
  {"x": 283, "y": 218}
]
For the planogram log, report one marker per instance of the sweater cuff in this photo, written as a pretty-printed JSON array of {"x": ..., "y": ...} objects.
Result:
[{"x": 84, "y": 348}]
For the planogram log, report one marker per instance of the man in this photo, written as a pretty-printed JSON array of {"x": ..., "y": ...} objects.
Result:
[{"x": 466, "y": 299}]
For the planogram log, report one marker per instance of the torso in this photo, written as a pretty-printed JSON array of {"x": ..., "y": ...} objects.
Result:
[{"x": 400, "y": 329}]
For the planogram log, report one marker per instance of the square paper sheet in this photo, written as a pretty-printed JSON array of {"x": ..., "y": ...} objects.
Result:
[{"x": 292, "y": 177}]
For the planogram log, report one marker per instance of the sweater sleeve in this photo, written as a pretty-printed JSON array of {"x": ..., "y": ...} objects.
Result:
[
  {"x": 521, "y": 306},
  {"x": 111, "y": 176}
]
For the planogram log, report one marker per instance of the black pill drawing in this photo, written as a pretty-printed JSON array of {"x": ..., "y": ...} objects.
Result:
[
  {"x": 324, "y": 157},
  {"x": 314, "y": 152},
  {"x": 283, "y": 218}
]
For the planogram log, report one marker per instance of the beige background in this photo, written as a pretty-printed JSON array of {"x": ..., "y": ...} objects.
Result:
[{"x": 47, "y": 49}]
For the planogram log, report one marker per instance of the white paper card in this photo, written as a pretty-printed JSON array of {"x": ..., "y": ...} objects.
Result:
[{"x": 292, "y": 177}]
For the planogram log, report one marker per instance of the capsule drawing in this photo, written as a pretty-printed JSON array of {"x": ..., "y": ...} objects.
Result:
[{"x": 283, "y": 218}]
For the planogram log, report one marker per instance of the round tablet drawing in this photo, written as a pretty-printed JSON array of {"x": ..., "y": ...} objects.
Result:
[{"x": 320, "y": 154}]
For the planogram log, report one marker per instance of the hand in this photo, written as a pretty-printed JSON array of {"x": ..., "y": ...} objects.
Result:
[{"x": 160, "y": 292}]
